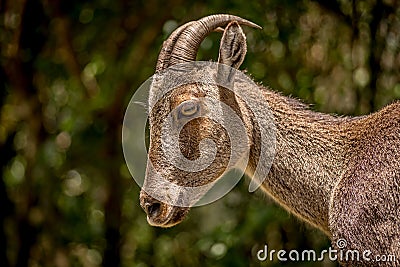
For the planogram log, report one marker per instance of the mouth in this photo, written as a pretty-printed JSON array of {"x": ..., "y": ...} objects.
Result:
[
  {"x": 161, "y": 214},
  {"x": 166, "y": 216}
]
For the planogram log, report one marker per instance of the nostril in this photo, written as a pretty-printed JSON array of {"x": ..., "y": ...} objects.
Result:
[{"x": 153, "y": 209}]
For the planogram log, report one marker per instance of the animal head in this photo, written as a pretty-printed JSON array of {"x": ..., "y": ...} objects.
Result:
[{"x": 180, "y": 132}]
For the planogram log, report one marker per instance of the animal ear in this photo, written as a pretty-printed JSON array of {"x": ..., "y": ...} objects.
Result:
[{"x": 233, "y": 46}]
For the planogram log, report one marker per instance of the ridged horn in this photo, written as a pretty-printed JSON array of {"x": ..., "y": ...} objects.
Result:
[{"x": 183, "y": 44}]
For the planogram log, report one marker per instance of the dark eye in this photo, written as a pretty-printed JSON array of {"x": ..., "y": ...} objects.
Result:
[{"x": 188, "y": 108}]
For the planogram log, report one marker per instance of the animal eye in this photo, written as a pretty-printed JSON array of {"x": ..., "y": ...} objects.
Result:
[{"x": 188, "y": 108}]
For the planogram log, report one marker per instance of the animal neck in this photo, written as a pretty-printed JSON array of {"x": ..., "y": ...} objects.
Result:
[{"x": 309, "y": 157}]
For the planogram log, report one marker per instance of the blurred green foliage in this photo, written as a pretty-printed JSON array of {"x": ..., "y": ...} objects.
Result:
[{"x": 68, "y": 70}]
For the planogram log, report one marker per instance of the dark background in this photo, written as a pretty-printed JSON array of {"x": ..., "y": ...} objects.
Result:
[{"x": 68, "y": 70}]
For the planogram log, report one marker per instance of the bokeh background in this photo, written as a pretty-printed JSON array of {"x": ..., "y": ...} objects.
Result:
[{"x": 68, "y": 70}]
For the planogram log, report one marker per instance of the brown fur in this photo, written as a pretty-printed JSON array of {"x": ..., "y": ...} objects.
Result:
[{"x": 340, "y": 174}]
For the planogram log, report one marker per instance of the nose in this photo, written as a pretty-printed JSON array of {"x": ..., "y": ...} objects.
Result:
[
  {"x": 151, "y": 206},
  {"x": 152, "y": 209}
]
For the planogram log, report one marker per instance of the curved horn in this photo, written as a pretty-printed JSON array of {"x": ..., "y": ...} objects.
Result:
[
  {"x": 184, "y": 42},
  {"x": 168, "y": 45}
]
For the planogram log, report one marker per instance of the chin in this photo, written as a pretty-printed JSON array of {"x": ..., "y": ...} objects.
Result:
[{"x": 170, "y": 216}]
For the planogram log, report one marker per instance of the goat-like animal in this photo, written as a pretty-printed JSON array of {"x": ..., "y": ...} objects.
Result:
[{"x": 340, "y": 174}]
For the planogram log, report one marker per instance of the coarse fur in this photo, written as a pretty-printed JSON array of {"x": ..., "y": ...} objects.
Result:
[{"x": 340, "y": 174}]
